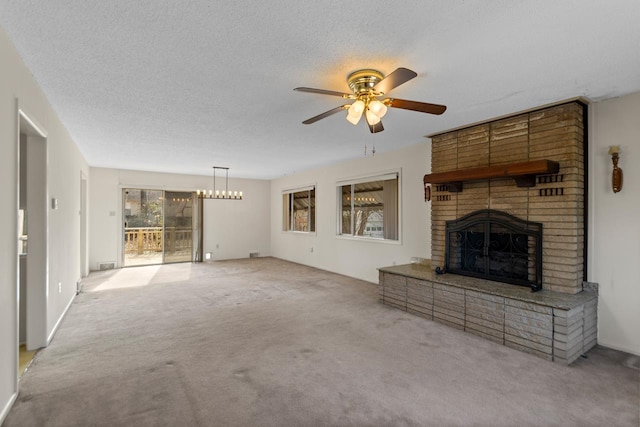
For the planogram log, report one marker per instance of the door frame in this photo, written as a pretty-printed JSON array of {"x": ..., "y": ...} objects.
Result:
[{"x": 36, "y": 293}]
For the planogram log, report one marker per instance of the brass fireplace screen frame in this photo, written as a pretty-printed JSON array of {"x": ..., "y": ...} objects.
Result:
[{"x": 512, "y": 253}]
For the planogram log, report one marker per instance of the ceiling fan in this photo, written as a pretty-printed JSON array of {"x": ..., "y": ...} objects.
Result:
[{"x": 368, "y": 85}]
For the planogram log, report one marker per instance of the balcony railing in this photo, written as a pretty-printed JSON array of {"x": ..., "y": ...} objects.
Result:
[{"x": 140, "y": 240}]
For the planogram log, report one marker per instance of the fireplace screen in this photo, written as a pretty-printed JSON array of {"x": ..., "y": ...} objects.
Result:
[{"x": 497, "y": 246}]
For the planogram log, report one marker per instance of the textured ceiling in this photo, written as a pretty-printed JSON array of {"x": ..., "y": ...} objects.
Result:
[{"x": 181, "y": 86}]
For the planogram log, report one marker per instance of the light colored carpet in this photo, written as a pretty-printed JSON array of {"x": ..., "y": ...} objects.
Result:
[{"x": 270, "y": 343}]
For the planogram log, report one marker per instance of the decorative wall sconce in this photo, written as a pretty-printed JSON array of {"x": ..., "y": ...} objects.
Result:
[
  {"x": 226, "y": 194},
  {"x": 616, "y": 174}
]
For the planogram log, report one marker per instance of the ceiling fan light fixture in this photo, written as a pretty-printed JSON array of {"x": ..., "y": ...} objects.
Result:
[
  {"x": 372, "y": 119},
  {"x": 356, "y": 108},
  {"x": 355, "y": 112},
  {"x": 354, "y": 119},
  {"x": 377, "y": 108}
]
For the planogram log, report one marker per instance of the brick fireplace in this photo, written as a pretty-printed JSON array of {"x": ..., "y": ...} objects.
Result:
[
  {"x": 555, "y": 200},
  {"x": 530, "y": 169}
]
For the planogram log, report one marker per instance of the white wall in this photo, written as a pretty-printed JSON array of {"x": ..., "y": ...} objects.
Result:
[
  {"x": 237, "y": 227},
  {"x": 234, "y": 229},
  {"x": 357, "y": 257},
  {"x": 614, "y": 227},
  {"x": 65, "y": 163}
]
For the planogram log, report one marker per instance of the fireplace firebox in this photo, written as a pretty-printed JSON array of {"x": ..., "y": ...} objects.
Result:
[{"x": 497, "y": 246}]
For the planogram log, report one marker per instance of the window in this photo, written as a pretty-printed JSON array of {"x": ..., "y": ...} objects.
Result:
[
  {"x": 369, "y": 207},
  {"x": 299, "y": 210}
]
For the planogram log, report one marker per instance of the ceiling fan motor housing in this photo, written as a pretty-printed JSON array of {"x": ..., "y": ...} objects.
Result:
[{"x": 362, "y": 82}]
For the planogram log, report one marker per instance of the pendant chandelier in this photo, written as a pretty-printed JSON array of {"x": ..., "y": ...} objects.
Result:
[{"x": 225, "y": 194}]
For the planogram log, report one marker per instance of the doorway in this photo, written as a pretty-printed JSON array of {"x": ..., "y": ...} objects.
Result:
[
  {"x": 32, "y": 233},
  {"x": 158, "y": 226}
]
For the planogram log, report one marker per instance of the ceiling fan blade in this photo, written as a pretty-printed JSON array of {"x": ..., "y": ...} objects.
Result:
[
  {"x": 325, "y": 114},
  {"x": 375, "y": 128},
  {"x": 325, "y": 92},
  {"x": 422, "y": 107},
  {"x": 395, "y": 79}
]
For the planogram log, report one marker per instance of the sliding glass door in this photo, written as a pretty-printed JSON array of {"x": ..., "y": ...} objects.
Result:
[
  {"x": 157, "y": 227},
  {"x": 178, "y": 226}
]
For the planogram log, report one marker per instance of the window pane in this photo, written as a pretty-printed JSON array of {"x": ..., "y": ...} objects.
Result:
[
  {"x": 368, "y": 209},
  {"x": 345, "y": 210},
  {"x": 178, "y": 226},
  {"x": 375, "y": 209},
  {"x": 143, "y": 221},
  {"x": 299, "y": 211}
]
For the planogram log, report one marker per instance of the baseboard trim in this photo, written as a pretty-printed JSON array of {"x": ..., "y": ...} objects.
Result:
[
  {"x": 623, "y": 348},
  {"x": 64, "y": 313},
  {"x": 7, "y": 407}
]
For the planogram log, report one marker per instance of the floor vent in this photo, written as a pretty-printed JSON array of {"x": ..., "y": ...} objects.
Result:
[
  {"x": 253, "y": 255},
  {"x": 106, "y": 266}
]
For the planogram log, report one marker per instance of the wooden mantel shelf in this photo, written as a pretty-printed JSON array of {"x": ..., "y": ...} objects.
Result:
[{"x": 524, "y": 174}]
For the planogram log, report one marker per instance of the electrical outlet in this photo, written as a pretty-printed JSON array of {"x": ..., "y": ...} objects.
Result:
[
  {"x": 311, "y": 249},
  {"x": 217, "y": 245},
  {"x": 59, "y": 287}
]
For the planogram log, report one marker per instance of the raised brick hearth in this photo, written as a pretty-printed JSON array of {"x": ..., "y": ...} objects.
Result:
[{"x": 552, "y": 325}]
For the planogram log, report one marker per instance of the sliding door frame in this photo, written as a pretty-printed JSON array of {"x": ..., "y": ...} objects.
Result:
[{"x": 120, "y": 255}]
